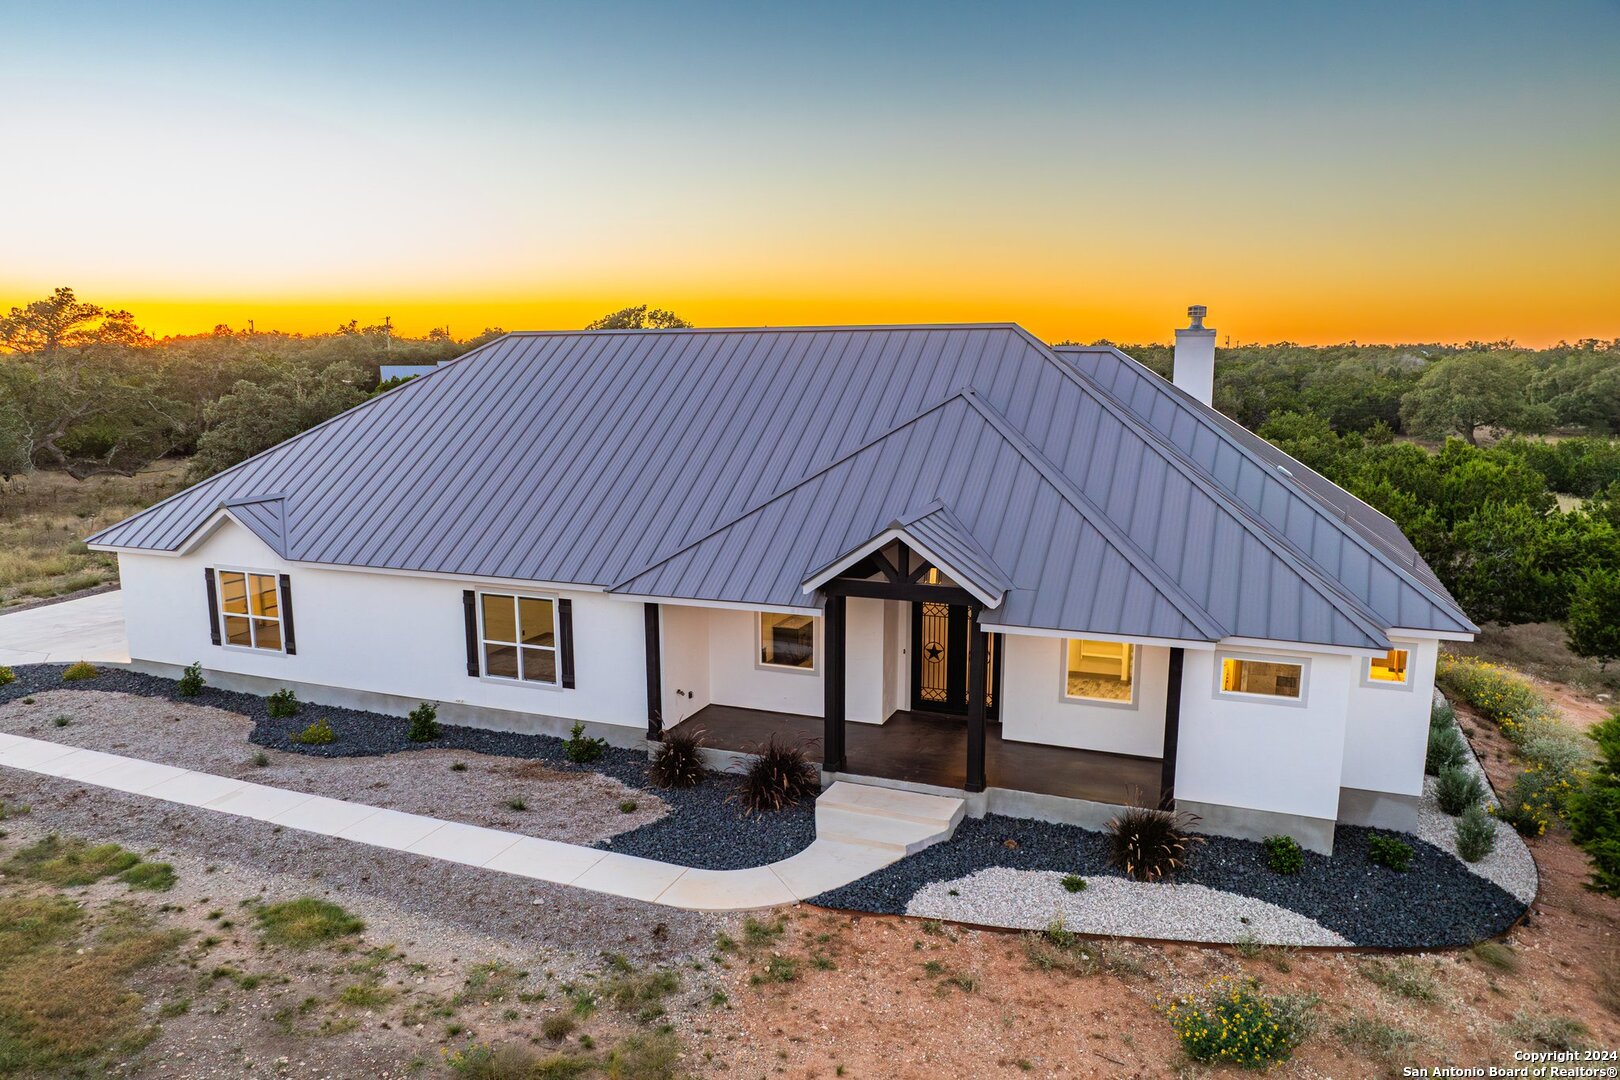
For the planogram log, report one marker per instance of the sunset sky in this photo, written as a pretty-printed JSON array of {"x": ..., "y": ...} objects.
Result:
[{"x": 1314, "y": 172}]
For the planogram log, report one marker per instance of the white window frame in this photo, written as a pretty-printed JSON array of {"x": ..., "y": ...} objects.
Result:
[
  {"x": 279, "y": 618},
  {"x": 1107, "y": 703},
  {"x": 1303, "y": 663},
  {"x": 815, "y": 644},
  {"x": 1368, "y": 681},
  {"x": 484, "y": 640}
]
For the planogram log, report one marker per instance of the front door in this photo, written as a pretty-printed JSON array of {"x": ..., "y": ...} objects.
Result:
[{"x": 939, "y": 652}]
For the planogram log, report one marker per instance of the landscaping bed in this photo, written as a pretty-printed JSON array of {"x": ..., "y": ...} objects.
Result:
[{"x": 562, "y": 799}]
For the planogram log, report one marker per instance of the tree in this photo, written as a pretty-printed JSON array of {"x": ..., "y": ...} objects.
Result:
[
  {"x": 640, "y": 317},
  {"x": 1593, "y": 811},
  {"x": 1593, "y": 626},
  {"x": 1461, "y": 394},
  {"x": 294, "y": 396},
  {"x": 62, "y": 321}
]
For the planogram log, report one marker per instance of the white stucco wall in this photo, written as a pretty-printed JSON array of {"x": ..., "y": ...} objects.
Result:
[
  {"x": 736, "y": 676},
  {"x": 383, "y": 633},
  {"x": 1280, "y": 756},
  {"x": 1387, "y": 727},
  {"x": 683, "y": 635},
  {"x": 1033, "y": 708}
]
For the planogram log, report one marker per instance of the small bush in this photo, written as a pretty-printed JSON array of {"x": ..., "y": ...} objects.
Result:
[
  {"x": 1386, "y": 850},
  {"x": 282, "y": 703},
  {"x": 1457, "y": 789},
  {"x": 558, "y": 1026},
  {"x": 678, "y": 761},
  {"x": 424, "y": 723},
  {"x": 80, "y": 671},
  {"x": 1531, "y": 804},
  {"x": 1151, "y": 844},
  {"x": 306, "y": 921},
  {"x": 628, "y": 806},
  {"x": 1476, "y": 833},
  {"x": 261, "y": 760},
  {"x": 582, "y": 749},
  {"x": 1442, "y": 715},
  {"x": 516, "y": 804},
  {"x": 1234, "y": 1024},
  {"x": 62, "y": 721},
  {"x": 319, "y": 733},
  {"x": 1446, "y": 750},
  {"x": 1284, "y": 855},
  {"x": 1594, "y": 810},
  {"x": 190, "y": 683},
  {"x": 7, "y": 676},
  {"x": 779, "y": 775},
  {"x": 1074, "y": 883}
]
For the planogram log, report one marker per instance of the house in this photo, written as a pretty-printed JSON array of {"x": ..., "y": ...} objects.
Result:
[{"x": 959, "y": 559}]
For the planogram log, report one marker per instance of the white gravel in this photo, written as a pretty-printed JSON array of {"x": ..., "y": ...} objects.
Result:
[
  {"x": 1509, "y": 865},
  {"x": 1033, "y": 900}
]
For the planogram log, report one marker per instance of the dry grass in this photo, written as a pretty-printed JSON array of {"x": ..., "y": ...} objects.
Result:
[
  {"x": 45, "y": 516},
  {"x": 1541, "y": 650}
]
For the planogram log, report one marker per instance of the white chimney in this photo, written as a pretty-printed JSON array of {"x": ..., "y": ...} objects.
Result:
[{"x": 1194, "y": 366}]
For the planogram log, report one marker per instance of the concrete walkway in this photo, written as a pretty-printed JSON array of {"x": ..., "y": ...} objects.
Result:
[
  {"x": 89, "y": 628},
  {"x": 858, "y": 830}
]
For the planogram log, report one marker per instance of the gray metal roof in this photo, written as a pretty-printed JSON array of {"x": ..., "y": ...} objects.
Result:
[{"x": 729, "y": 464}]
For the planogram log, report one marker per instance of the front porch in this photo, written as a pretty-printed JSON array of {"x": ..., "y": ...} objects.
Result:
[{"x": 931, "y": 749}]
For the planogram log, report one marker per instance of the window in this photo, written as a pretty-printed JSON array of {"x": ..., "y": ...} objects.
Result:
[
  {"x": 787, "y": 641},
  {"x": 1389, "y": 669},
  {"x": 1268, "y": 678},
  {"x": 250, "y": 610},
  {"x": 519, "y": 637},
  {"x": 1099, "y": 670}
]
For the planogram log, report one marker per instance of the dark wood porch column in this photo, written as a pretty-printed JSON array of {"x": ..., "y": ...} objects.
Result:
[
  {"x": 832, "y": 743},
  {"x": 978, "y": 662},
  {"x": 1172, "y": 732},
  {"x": 655, "y": 674}
]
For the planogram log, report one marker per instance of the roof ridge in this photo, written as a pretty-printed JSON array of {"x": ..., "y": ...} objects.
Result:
[
  {"x": 1170, "y": 390},
  {"x": 801, "y": 329},
  {"x": 1359, "y": 613},
  {"x": 1095, "y": 516}
]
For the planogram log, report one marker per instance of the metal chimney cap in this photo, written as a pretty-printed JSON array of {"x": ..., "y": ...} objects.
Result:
[{"x": 1196, "y": 313}]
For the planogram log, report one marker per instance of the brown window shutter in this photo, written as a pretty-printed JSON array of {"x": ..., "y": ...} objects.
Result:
[
  {"x": 287, "y": 638},
  {"x": 565, "y": 641},
  {"x": 213, "y": 606},
  {"x": 469, "y": 610}
]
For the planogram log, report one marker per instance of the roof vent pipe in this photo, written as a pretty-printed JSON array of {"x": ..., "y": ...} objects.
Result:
[{"x": 1194, "y": 366}]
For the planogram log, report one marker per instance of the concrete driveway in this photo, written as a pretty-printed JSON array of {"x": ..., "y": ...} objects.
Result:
[{"x": 89, "y": 628}]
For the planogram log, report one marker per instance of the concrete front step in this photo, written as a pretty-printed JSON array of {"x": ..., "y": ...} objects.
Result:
[{"x": 903, "y": 822}]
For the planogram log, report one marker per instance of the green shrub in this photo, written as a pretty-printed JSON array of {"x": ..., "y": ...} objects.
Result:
[
  {"x": 1283, "y": 855},
  {"x": 1074, "y": 883},
  {"x": 1150, "y": 844},
  {"x": 190, "y": 683},
  {"x": 778, "y": 776},
  {"x": 1442, "y": 715},
  {"x": 558, "y": 1026},
  {"x": 1594, "y": 810},
  {"x": 306, "y": 921},
  {"x": 319, "y": 733},
  {"x": 1457, "y": 789},
  {"x": 282, "y": 703},
  {"x": 1535, "y": 799},
  {"x": 582, "y": 749},
  {"x": 7, "y": 676},
  {"x": 678, "y": 761},
  {"x": 1386, "y": 850},
  {"x": 80, "y": 671},
  {"x": 1446, "y": 750},
  {"x": 424, "y": 723},
  {"x": 1476, "y": 833},
  {"x": 1234, "y": 1024}
]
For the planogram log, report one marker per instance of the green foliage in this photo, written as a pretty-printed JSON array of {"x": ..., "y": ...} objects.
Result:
[
  {"x": 640, "y": 317},
  {"x": 284, "y": 398},
  {"x": 282, "y": 703},
  {"x": 1386, "y": 850},
  {"x": 1232, "y": 1023},
  {"x": 1446, "y": 750},
  {"x": 1594, "y": 810},
  {"x": 1150, "y": 844},
  {"x": 1461, "y": 394},
  {"x": 1458, "y": 788},
  {"x": 80, "y": 671},
  {"x": 7, "y": 676},
  {"x": 190, "y": 683},
  {"x": 1284, "y": 855},
  {"x": 778, "y": 776},
  {"x": 1476, "y": 833},
  {"x": 1594, "y": 616},
  {"x": 319, "y": 733},
  {"x": 1073, "y": 883},
  {"x": 424, "y": 723},
  {"x": 306, "y": 921},
  {"x": 582, "y": 749},
  {"x": 678, "y": 760}
]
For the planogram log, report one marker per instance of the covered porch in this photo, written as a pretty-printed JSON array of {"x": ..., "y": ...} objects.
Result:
[{"x": 931, "y": 749}]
